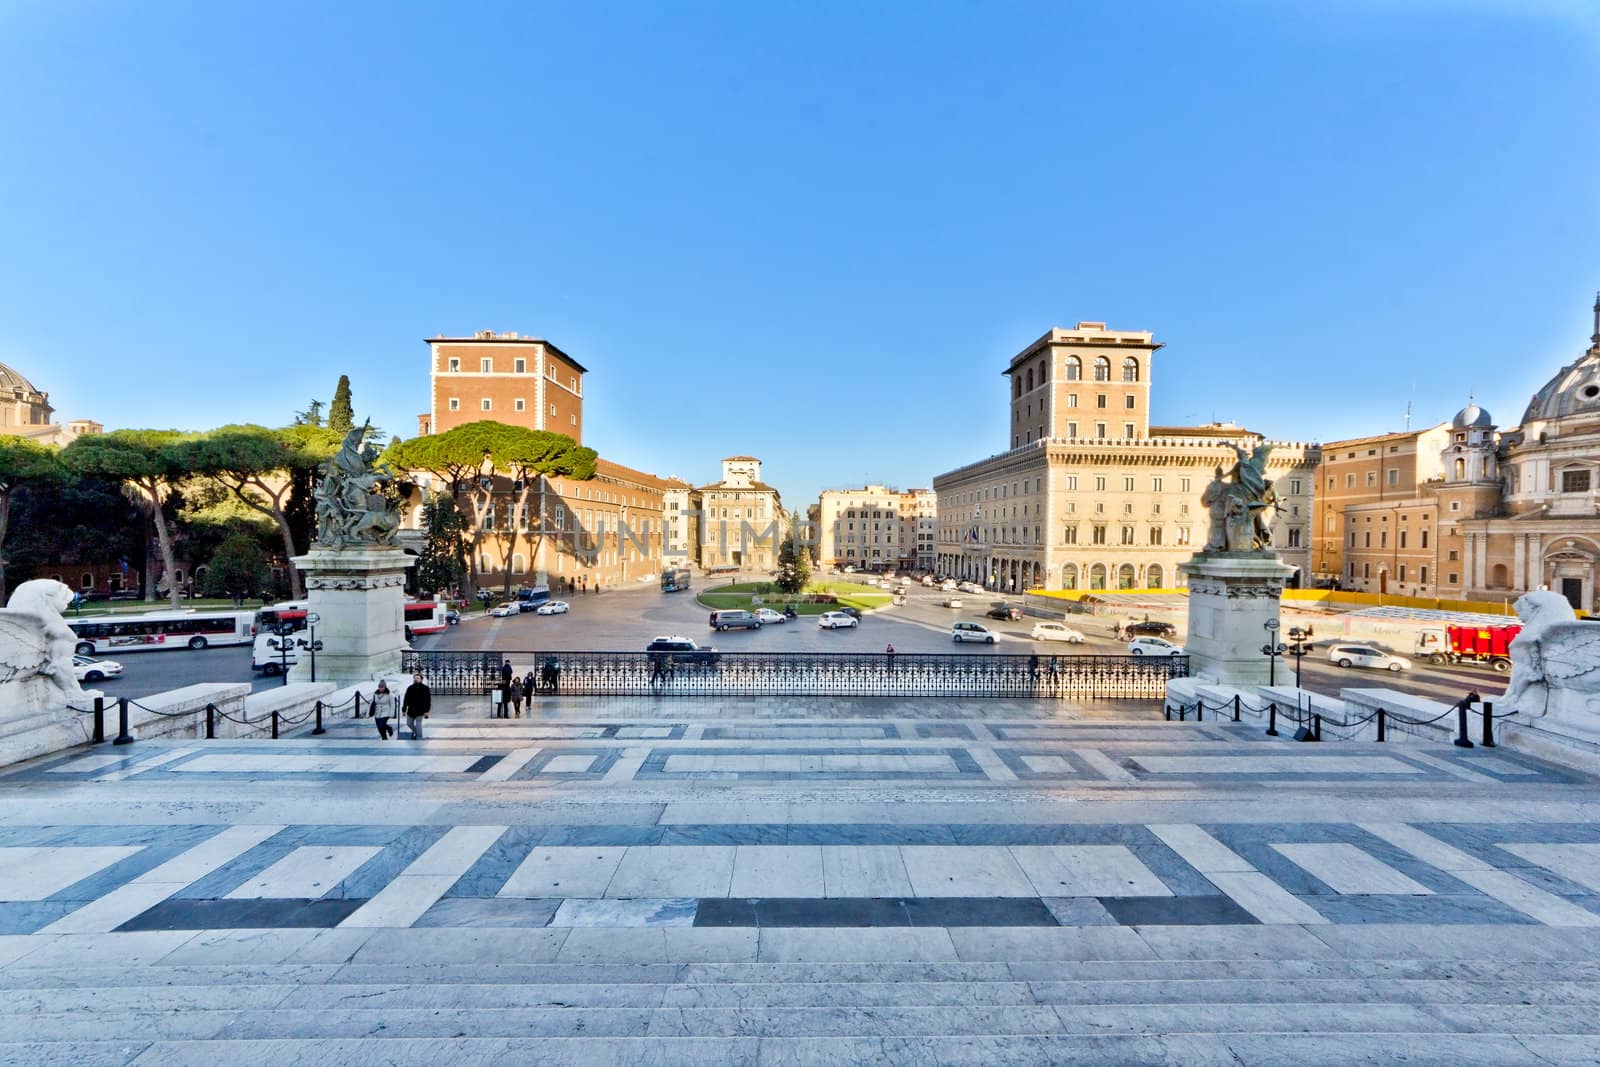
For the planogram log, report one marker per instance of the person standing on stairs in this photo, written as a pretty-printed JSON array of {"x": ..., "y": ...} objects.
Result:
[{"x": 415, "y": 704}]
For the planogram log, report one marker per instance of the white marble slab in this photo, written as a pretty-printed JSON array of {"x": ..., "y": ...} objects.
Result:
[
  {"x": 509, "y": 765},
  {"x": 809, "y": 763},
  {"x": 647, "y": 912},
  {"x": 1347, "y": 869},
  {"x": 1087, "y": 871},
  {"x": 965, "y": 871},
  {"x": 1199, "y": 849},
  {"x": 1575, "y": 863},
  {"x": 674, "y": 871},
  {"x": 1527, "y": 898},
  {"x": 1048, "y": 764},
  {"x": 864, "y": 871},
  {"x": 777, "y": 871},
  {"x": 1268, "y": 901},
  {"x": 307, "y": 872},
  {"x": 572, "y": 763},
  {"x": 564, "y": 871},
  {"x": 84, "y": 764},
  {"x": 1275, "y": 765},
  {"x": 1426, "y": 847},
  {"x": 36, "y": 872},
  {"x": 262, "y": 763}
]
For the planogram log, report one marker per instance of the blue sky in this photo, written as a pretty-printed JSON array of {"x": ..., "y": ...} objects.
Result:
[{"x": 810, "y": 232}]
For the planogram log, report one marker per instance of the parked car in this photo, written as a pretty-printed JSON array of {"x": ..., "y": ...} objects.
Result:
[
  {"x": 834, "y": 620},
  {"x": 767, "y": 615},
  {"x": 1055, "y": 631},
  {"x": 504, "y": 611},
  {"x": 683, "y": 650},
  {"x": 553, "y": 607},
  {"x": 1153, "y": 646},
  {"x": 1008, "y": 612},
  {"x": 972, "y": 631},
  {"x": 952, "y": 602},
  {"x": 734, "y": 619},
  {"x": 1150, "y": 628},
  {"x": 850, "y": 568},
  {"x": 1367, "y": 656},
  {"x": 95, "y": 670}
]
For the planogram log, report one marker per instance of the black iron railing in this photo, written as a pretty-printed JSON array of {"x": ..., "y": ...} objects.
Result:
[{"x": 805, "y": 674}]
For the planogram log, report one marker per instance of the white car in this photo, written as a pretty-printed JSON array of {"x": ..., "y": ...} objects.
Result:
[
  {"x": 1367, "y": 656},
  {"x": 553, "y": 607},
  {"x": 972, "y": 631},
  {"x": 928, "y": 582},
  {"x": 1153, "y": 646},
  {"x": 1055, "y": 631},
  {"x": 95, "y": 670},
  {"x": 504, "y": 611},
  {"x": 952, "y": 602},
  {"x": 767, "y": 615},
  {"x": 832, "y": 620},
  {"x": 947, "y": 586}
]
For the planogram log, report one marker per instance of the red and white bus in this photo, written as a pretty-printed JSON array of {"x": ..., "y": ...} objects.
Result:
[
  {"x": 272, "y": 618},
  {"x": 158, "y": 630},
  {"x": 427, "y": 616}
]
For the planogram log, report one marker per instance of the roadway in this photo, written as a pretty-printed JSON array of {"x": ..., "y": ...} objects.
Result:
[{"x": 627, "y": 619}]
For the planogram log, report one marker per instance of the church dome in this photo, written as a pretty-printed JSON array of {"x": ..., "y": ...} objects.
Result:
[
  {"x": 1574, "y": 390},
  {"x": 1472, "y": 417},
  {"x": 13, "y": 382}
]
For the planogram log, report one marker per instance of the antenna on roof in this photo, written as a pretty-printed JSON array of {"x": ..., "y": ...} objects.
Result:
[
  {"x": 1594, "y": 338},
  {"x": 1408, "y": 416}
]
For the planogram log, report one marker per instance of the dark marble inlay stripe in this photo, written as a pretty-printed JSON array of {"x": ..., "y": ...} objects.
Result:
[
  {"x": 483, "y": 764},
  {"x": 242, "y": 914},
  {"x": 1177, "y": 911},
  {"x": 873, "y": 911}
]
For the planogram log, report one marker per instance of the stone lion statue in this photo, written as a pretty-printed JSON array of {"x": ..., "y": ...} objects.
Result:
[
  {"x": 36, "y": 652},
  {"x": 1555, "y": 662}
]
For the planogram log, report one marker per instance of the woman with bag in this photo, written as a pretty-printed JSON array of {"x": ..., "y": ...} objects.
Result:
[{"x": 383, "y": 710}]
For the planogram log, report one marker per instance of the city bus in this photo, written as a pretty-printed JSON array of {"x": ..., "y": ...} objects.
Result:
[
  {"x": 427, "y": 617},
  {"x": 272, "y": 618},
  {"x": 673, "y": 581},
  {"x": 158, "y": 630}
]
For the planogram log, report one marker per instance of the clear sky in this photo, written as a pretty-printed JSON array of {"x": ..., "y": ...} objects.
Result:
[{"x": 815, "y": 233}]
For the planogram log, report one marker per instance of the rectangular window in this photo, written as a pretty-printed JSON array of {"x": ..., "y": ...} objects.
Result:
[
  {"x": 1183, "y": 485},
  {"x": 486, "y": 365},
  {"x": 1155, "y": 535},
  {"x": 1575, "y": 481},
  {"x": 1072, "y": 400},
  {"x": 1098, "y": 535},
  {"x": 1127, "y": 401},
  {"x": 1127, "y": 431},
  {"x": 1099, "y": 483},
  {"x": 1372, "y": 478},
  {"x": 1366, "y": 539},
  {"x": 1294, "y": 486},
  {"x": 1100, "y": 401},
  {"x": 1072, "y": 429},
  {"x": 1454, "y": 578},
  {"x": 1127, "y": 483},
  {"x": 1349, "y": 481},
  {"x": 1402, "y": 538},
  {"x": 1099, "y": 429},
  {"x": 1424, "y": 540},
  {"x": 455, "y": 403},
  {"x": 519, "y": 404},
  {"x": 1294, "y": 538},
  {"x": 1072, "y": 481},
  {"x": 1383, "y": 539},
  {"x": 552, "y": 409},
  {"x": 519, "y": 366},
  {"x": 1070, "y": 536},
  {"x": 1393, "y": 475},
  {"x": 455, "y": 366},
  {"x": 1127, "y": 535},
  {"x": 1451, "y": 555},
  {"x": 1422, "y": 575},
  {"x": 1155, "y": 485},
  {"x": 486, "y": 404},
  {"x": 1366, "y": 570},
  {"x": 1402, "y": 572}
]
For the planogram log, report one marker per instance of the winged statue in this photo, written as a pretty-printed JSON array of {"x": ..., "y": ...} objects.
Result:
[
  {"x": 1555, "y": 664},
  {"x": 36, "y": 649}
]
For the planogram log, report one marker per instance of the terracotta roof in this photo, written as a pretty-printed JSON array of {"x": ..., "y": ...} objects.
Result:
[
  {"x": 579, "y": 367},
  {"x": 753, "y": 487},
  {"x": 751, "y": 459},
  {"x": 611, "y": 469}
]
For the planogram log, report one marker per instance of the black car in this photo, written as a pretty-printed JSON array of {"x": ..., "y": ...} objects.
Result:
[
  {"x": 1150, "y": 628},
  {"x": 682, "y": 650},
  {"x": 1005, "y": 611},
  {"x": 854, "y": 613}
]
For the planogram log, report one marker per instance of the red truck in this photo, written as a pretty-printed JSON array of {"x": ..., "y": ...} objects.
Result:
[{"x": 1479, "y": 644}]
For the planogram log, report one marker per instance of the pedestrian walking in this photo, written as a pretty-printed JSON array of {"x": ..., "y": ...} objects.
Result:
[
  {"x": 383, "y": 710},
  {"x": 552, "y": 673},
  {"x": 415, "y": 704},
  {"x": 527, "y": 691},
  {"x": 1116, "y": 630},
  {"x": 514, "y": 691},
  {"x": 888, "y": 655}
]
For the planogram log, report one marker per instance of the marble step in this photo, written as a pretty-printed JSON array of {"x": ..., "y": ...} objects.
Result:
[{"x": 376, "y": 1021}]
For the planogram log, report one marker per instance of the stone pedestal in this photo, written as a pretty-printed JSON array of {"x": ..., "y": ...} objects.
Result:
[
  {"x": 1232, "y": 595},
  {"x": 359, "y": 595}
]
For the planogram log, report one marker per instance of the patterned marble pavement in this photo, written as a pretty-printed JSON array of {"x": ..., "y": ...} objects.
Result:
[{"x": 591, "y": 836}]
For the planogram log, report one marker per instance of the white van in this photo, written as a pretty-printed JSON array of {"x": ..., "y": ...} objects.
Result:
[{"x": 266, "y": 657}]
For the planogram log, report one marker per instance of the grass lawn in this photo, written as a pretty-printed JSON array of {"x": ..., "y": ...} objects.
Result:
[{"x": 737, "y": 595}]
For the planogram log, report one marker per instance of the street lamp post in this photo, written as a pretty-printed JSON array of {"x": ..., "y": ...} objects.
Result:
[
  {"x": 313, "y": 645},
  {"x": 285, "y": 646},
  {"x": 1299, "y": 646},
  {"x": 1272, "y": 650}
]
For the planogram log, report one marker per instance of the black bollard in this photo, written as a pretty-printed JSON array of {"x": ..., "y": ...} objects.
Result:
[
  {"x": 1236, "y": 707},
  {"x": 1166, "y": 711},
  {"x": 1380, "y": 724},
  {"x": 1488, "y": 724},
  {"x": 1316, "y": 731},
  {"x": 1462, "y": 741},
  {"x": 123, "y": 736},
  {"x": 1272, "y": 720},
  {"x": 1200, "y": 710},
  {"x": 211, "y": 722},
  {"x": 319, "y": 729},
  {"x": 358, "y": 703},
  {"x": 99, "y": 720},
  {"x": 274, "y": 724}
]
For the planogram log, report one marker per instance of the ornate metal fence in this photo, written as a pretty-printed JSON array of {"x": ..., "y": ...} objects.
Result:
[{"x": 807, "y": 674}]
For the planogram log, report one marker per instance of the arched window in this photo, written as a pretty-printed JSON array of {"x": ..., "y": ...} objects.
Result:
[
  {"x": 1130, "y": 369},
  {"x": 1498, "y": 577},
  {"x": 519, "y": 563},
  {"x": 1461, "y": 469},
  {"x": 1069, "y": 576},
  {"x": 1074, "y": 367},
  {"x": 1030, "y": 380},
  {"x": 1154, "y": 576},
  {"x": 1102, "y": 369},
  {"x": 1016, "y": 385},
  {"x": 1097, "y": 576},
  {"x": 1125, "y": 576}
]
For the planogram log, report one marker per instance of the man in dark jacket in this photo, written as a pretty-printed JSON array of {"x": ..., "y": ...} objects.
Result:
[
  {"x": 505, "y": 672},
  {"x": 415, "y": 704}
]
